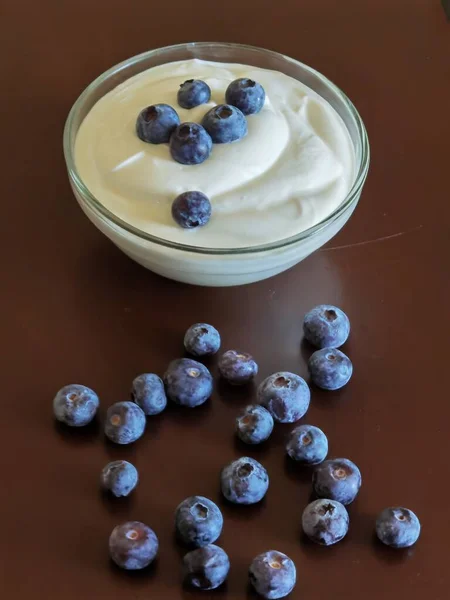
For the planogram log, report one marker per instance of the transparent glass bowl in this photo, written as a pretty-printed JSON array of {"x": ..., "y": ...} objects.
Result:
[{"x": 215, "y": 266}]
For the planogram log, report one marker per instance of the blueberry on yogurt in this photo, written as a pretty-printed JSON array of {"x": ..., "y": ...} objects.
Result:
[
  {"x": 198, "y": 521},
  {"x": 133, "y": 545},
  {"x": 244, "y": 481},
  {"x": 190, "y": 144},
  {"x": 147, "y": 391},
  {"x": 119, "y": 477},
  {"x": 188, "y": 382},
  {"x": 237, "y": 367},
  {"x": 246, "y": 95},
  {"x": 155, "y": 124},
  {"x": 225, "y": 123},
  {"x": 125, "y": 422},
  {"x": 202, "y": 339},
  {"x": 272, "y": 574},
  {"x": 285, "y": 395},
  {"x": 191, "y": 210},
  {"x": 193, "y": 92},
  {"x": 75, "y": 405}
]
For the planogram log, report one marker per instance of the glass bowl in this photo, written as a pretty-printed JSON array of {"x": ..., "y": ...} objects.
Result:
[{"x": 216, "y": 266}]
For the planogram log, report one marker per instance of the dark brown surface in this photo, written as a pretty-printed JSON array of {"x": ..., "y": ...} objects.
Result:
[{"x": 75, "y": 309}]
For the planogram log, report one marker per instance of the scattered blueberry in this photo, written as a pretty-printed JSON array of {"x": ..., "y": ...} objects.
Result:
[
  {"x": 133, "y": 545},
  {"x": 225, "y": 124},
  {"x": 326, "y": 326},
  {"x": 75, "y": 405},
  {"x": 188, "y": 382},
  {"x": 119, "y": 477},
  {"x": 254, "y": 425},
  {"x": 206, "y": 568},
  {"x": 190, "y": 144},
  {"x": 330, "y": 369},
  {"x": 325, "y": 521},
  {"x": 272, "y": 574},
  {"x": 246, "y": 94},
  {"x": 193, "y": 92},
  {"x": 244, "y": 481},
  {"x": 155, "y": 124},
  {"x": 237, "y": 367},
  {"x": 285, "y": 395},
  {"x": 338, "y": 479},
  {"x": 202, "y": 339},
  {"x": 191, "y": 209},
  {"x": 307, "y": 444},
  {"x": 125, "y": 422},
  {"x": 198, "y": 521},
  {"x": 398, "y": 527},
  {"x": 147, "y": 391}
]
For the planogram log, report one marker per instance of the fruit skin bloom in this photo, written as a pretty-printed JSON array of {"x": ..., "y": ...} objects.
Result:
[
  {"x": 272, "y": 574},
  {"x": 325, "y": 521},
  {"x": 133, "y": 545},
  {"x": 398, "y": 527},
  {"x": 206, "y": 568},
  {"x": 244, "y": 481}
]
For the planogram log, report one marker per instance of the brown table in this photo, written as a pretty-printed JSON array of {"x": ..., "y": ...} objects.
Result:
[{"x": 75, "y": 309}]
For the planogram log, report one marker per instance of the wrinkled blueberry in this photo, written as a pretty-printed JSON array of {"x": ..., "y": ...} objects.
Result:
[
  {"x": 285, "y": 395},
  {"x": 125, "y": 422},
  {"x": 147, "y": 391},
  {"x": 188, "y": 382},
  {"x": 198, "y": 521},
  {"x": 237, "y": 367},
  {"x": 202, "y": 339},
  {"x": 307, "y": 444},
  {"x": 155, "y": 124},
  {"x": 330, "y": 369},
  {"x": 398, "y": 527},
  {"x": 119, "y": 477},
  {"x": 190, "y": 144},
  {"x": 133, "y": 545},
  {"x": 325, "y": 521},
  {"x": 272, "y": 574},
  {"x": 326, "y": 326},
  {"x": 75, "y": 405},
  {"x": 191, "y": 209},
  {"x": 225, "y": 124},
  {"x": 338, "y": 479},
  {"x": 206, "y": 568},
  {"x": 246, "y": 94},
  {"x": 254, "y": 425},
  {"x": 244, "y": 481},
  {"x": 193, "y": 92}
]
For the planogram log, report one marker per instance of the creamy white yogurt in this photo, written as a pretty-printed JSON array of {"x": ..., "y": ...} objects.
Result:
[{"x": 294, "y": 167}]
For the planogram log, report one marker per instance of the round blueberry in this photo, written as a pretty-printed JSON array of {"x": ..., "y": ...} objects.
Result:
[
  {"x": 254, "y": 425},
  {"x": 147, "y": 391},
  {"x": 190, "y": 144},
  {"x": 244, "y": 481},
  {"x": 125, "y": 422},
  {"x": 330, "y": 369},
  {"x": 188, "y": 382},
  {"x": 307, "y": 444},
  {"x": 225, "y": 124},
  {"x": 133, "y": 545},
  {"x": 246, "y": 95},
  {"x": 193, "y": 92},
  {"x": 75, "y": 405},
  {"x": 398, "y": 527},
  {"x": 272, "y": 574},
  {"x": 326, "y": 326},
  {"x": 325, "y": 521},
  {"x": 285, "y": 395},
  {"x": 198, "y": 521},
  {"x": 155, "y": 124},
  {"x": 191, "y": 209},
  {"x": 338, "y": 479},
  {"x": 236, "y": 367},
  {"x": 119, "y": 477},
  {"x": 206, "y": 568},
  {"x": 202, "y": 339}
]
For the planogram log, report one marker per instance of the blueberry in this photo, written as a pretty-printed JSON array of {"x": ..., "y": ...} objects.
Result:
[
  {"x": 119, "y": 477},
  {"x": 237, "y": 367},
  {"x": 193, "y": 92},
  {"x": 75, "y": 405},
  {"x": 254, "y": 425},
  {"x": 307, "y": 444},
  {"x": 206, "y": 568},
  {"x": 244, "y": 481},
  {"x": 398, "y": 527},
  {"x": 190, "y": 144},
  {"x": 225, "y": 124},
  {"x": 155, "y": 124},
  {"x": 326, "y": 326},
  {"x": 285, "y": 395},
  {"x": 330, "y": 369},
  {"x": 188, "y": 382},
  {"x": 246, "y": 94},
  {"x": 338, "y": 479},
  {"x": 325, "y": 521},
  {"x": 272, "y": 574},
  {"x": 198, "y": 521},
  {"x": 133, "y": 545},
  {"x": 125, "y": 422},
  {"x": 191, "y": 209},
  {"x": 202, "y": 339},
  {"x": 147, "y": 391}
]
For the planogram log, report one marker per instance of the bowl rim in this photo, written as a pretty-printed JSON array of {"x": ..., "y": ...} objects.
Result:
[{"x": 68, "y": 142}]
